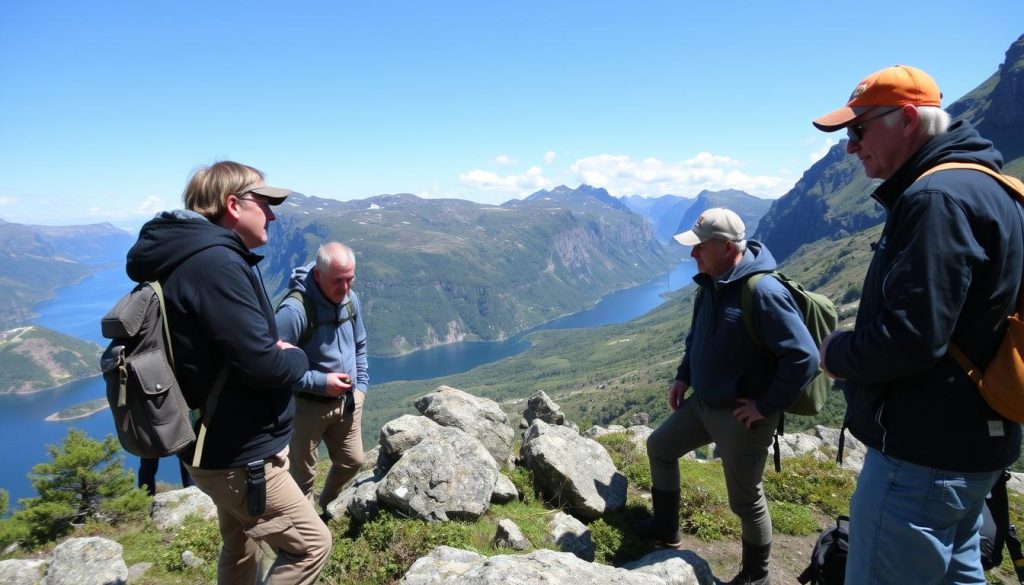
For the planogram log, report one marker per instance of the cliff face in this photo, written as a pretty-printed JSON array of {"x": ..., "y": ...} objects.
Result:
[
  {"x": 832, "y": 199},
  {"x": 750, "y": 209}
]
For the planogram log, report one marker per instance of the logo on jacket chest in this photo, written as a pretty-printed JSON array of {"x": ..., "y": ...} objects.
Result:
[{"x": 732, "y": 314}]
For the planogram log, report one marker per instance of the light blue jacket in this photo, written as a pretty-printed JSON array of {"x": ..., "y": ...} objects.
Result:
[{"x": 338, "y": 344}]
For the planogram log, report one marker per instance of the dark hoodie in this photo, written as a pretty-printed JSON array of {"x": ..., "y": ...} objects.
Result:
[
  {"x": 218, "y": 311},
  {"x": 947, "y": 266},
  {"x": 722, "y": 363}
]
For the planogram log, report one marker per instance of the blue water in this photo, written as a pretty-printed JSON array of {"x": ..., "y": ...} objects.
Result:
[{"x": 76, "y": 310}]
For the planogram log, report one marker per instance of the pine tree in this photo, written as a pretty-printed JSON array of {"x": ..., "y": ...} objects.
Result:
[{"x": 85, "y": 481}]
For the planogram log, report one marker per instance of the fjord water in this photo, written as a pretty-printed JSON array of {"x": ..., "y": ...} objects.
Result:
[{"x": 76, "y": 310}]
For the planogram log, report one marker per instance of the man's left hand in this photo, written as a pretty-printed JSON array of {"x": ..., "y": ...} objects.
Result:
[{"x": 747, "y": 412}]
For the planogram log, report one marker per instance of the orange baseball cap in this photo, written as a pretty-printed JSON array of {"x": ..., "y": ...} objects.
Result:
[{"x": 898, "y": 85}]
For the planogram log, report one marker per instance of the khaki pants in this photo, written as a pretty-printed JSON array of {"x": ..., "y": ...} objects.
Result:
[
  {"x": 289, "y": 526},
  {"x": 339, "y": 430},
  {"x": 743, "y": 452}
]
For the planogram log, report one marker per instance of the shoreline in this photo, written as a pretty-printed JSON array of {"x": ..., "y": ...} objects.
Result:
[
  {"x": 55, "y": 388},
  {"x": 56, "y": 417}
]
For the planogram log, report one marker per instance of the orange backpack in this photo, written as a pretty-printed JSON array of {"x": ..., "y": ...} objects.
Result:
[{"x": 1002, "y": 382}]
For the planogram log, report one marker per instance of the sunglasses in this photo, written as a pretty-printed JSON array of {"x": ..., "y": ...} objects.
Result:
[{"x": 856, "y": 133}]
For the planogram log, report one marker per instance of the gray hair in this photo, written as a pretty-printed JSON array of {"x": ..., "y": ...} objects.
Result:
[
  {"x": 741, "y": 245},
  {"x": 332, "y": 252},
  {"x": 933, "y": 120}
]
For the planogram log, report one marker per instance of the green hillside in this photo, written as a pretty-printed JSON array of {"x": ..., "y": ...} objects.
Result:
[
  {"x": 35, "y": 358},
  {"x": 437, "y": 271}
]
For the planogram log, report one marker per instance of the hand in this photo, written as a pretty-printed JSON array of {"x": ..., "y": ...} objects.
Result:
[
  {"x": 338, "y": 384},
  {"x": 823, "y": 350},
  {"x": 747, "y": 412},
  {"x": 676, "y": 393},
  {"x": 282, "y": 345}
]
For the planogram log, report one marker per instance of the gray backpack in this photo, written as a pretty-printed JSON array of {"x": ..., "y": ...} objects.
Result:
[{"x": 150, "y": 413}]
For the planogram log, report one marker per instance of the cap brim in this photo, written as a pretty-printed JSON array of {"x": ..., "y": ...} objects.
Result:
[
  {"x": 274, "y": 195},
  {"x": 835, "y": 120},
  {"x": 687, "y": 238}
]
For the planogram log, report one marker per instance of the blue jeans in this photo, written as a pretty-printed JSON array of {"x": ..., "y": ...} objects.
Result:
[{"x": 916, "y": 524}]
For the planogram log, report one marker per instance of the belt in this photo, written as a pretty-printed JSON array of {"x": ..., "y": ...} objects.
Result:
[{"x": 318, "y": 397}]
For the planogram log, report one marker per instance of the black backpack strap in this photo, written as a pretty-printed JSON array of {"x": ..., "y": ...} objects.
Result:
[
  {"x": 779, "y": 431},
  {"x": 308, "y": 310},
  {"x": 842, "y": 444}
]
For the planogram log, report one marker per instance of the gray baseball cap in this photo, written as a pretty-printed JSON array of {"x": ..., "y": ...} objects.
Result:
[{"x": 717, "y": 223}]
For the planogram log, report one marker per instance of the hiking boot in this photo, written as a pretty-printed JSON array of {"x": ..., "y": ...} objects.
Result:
[
  {"x": 754, "y": 570},
  {"x": 663, "y": 527}
]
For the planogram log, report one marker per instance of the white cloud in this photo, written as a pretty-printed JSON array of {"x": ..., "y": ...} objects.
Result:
[
  {"x": 531, "y": 180},
  {"x": 816, "y": 155},
  {"x": 549, "y": 157},
  {"x": 622, "y": 175},
  {"x": 505, "y": 160}
]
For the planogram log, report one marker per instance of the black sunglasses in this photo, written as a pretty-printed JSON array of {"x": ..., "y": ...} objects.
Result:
[{"x": 856, "y": 133}]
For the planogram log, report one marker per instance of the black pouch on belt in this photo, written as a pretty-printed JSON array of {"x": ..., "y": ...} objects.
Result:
[{"x": 256, "y": 485}]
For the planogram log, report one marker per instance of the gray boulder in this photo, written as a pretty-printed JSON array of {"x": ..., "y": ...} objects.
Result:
[
  {"x": 405, "y": 432},
  {"x": 87, "y": 561},
  {"x": 449, "y": 476},
  {"x": 171, "y": 508},
  {"x": 22, "y": 572},
  {"x": 678, "y": 567},
  {"x": 508, "y": 535},
  {"x": 571, "y": 536},
  {"x": 504, "y": 490},
  {"x": 853, "y": 450},
  {"x": 573, "y": 470},
  {"x": 541, "y": 406},
  {"x": 445, "y": 566},
  {"x": 359, "y": 498},
  {"x": 480, "y": 418},
  {"x": 791, "y": 445}
]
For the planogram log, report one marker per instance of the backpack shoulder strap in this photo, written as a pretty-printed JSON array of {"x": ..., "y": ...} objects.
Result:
[
  {"x": 308, "y": 309},
  {"x": 1013, "y": 185},
  {"x": 747, "y": 305},
  {"x": 159, "y": 290},
  {"x": 1015, "y": 188}
]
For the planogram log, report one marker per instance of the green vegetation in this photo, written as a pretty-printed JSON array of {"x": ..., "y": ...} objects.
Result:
[
  {"x": 457, "y": 270},
  {"x": 85, "y": 480},
  {"x": 35, "y": 358}
]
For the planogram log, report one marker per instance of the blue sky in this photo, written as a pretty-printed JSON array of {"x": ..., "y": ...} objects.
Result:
[{"x": 106, "y": 107}]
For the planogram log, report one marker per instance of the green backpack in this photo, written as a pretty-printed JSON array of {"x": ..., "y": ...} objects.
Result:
[
  {"x": 311, "y": 321},
  {"x": 821, "y": 319}
]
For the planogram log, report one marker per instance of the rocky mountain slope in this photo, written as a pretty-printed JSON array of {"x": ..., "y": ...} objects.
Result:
[{"x": 434, "y": 271}]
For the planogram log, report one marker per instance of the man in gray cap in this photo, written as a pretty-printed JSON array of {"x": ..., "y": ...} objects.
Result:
[
  {"x": 223, "y": 335},
  {"x": 739, "y": 387}
]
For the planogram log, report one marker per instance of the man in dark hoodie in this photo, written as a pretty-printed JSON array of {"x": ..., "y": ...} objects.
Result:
[
  {"x": 945, "y": 270},
  {"x": 326, "y": 321},
  {"x": 739, "y": 388},
  {"x": 222, "y": 326}
]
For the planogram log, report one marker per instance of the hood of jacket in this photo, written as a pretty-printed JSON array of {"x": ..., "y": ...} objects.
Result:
[
  {"x": 961, "y": 143},
  {"x": 756, "y": 258},
  {"x": 171, "y": 237}
]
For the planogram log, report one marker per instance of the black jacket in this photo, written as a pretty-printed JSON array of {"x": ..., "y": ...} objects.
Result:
[
  {"x": 947, "y": 266},
  {"x": 218, "y": 311}
]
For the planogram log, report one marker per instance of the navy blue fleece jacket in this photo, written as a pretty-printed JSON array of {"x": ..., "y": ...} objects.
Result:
[
  {"x": 946, "y": 268},
  {"x": 722, "y": 363}
]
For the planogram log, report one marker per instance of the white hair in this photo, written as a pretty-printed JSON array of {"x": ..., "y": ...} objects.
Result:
[
  {"x": 741, "y": 245},
  {"x": 933, "y": 120},
  {"x": 334, "y": 252}
]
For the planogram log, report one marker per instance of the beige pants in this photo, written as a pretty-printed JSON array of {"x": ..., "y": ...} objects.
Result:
[
  {"x": 289, "y": 526},
  {"x": 340, "y": 431}
]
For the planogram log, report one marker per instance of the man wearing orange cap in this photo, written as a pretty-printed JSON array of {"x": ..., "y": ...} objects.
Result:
[{"x": 945, "y": 271}]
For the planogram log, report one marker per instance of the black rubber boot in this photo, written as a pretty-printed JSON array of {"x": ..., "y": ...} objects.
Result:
[
  {"x": 663, "y": 528},
  {"x": 755, "y": 565}
]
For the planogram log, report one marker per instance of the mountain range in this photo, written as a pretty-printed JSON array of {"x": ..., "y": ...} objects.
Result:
[{"x": 434, "y": 271}]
